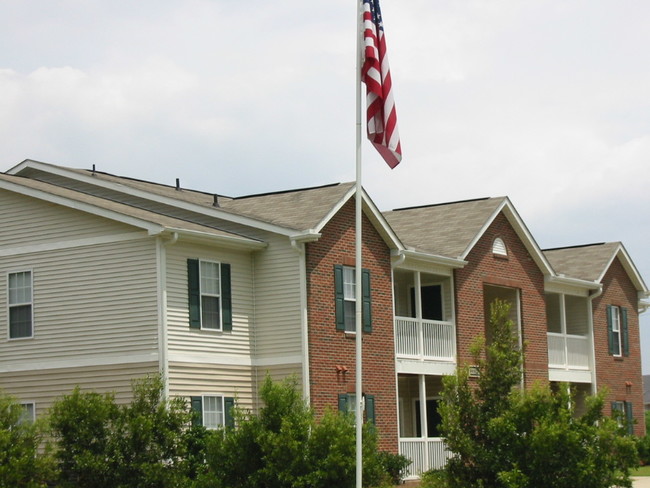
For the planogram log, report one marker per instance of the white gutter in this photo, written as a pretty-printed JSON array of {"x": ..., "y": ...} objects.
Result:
[{"x": 593, "y": 295}]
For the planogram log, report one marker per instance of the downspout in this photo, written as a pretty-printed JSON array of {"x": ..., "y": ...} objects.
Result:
[
  {"x": 162, "y": 311},
  {"x": 299, "y": 247},
  {"x": 591, "y": 297}
]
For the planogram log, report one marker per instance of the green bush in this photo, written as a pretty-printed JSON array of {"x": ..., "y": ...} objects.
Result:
[
  {"x": 22, "y": 463},
  {"x": 285, "y": 447},
  {"x": 503, "y": 436},
  {"x": 143, "y": 444},
  {"x": 393, "y": 464}
]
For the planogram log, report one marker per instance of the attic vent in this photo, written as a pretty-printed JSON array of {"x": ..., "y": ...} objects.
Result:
[{"x": 499, "y": 247}]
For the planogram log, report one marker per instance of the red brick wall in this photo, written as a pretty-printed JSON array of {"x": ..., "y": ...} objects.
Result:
[
  {"x": 328, "y": 347},
  {"x": 518, "y": 271},
  {"x": 620, "y": 375}
]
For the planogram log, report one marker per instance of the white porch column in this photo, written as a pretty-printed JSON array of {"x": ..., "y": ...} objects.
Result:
[{"x": 423, "y": 416}]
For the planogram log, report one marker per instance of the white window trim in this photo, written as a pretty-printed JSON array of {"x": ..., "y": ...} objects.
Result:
[
  {"x": 202, "y": 294},
  {"x": 10, "y": 305},
  {"x": 221, "y": 399},
  {"x": 616, "y": 329}
]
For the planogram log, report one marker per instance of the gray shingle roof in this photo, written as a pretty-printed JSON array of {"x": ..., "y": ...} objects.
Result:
[
  {"x": 300, "y": 209},
  {"x": 583, "y": 262},
  {"x": 110, "y": 205},
  {"x": 445, "y": 229}
]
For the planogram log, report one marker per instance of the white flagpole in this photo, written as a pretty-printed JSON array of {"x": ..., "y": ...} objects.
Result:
[{"x": 358, "y": 262}]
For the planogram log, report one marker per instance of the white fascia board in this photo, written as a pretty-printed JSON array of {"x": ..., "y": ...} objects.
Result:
[
  {"x": 212, "y": 212},
  {"x": 423, "y": 257},
  {"x": 150, "y": 227},
  {"x": 522, "y": 231},
  {"x": 630, "y": 268},
  {"x": 570, "y": 286},
  {"x": 372, "y": 212}
]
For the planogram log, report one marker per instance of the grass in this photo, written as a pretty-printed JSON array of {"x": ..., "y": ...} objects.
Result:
[{"x": 641, "y": 471}]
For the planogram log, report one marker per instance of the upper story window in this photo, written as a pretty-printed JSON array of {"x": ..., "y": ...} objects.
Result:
[
  {"x": 499, "y": 247},
  {"x": 345, "y": 298},
  {"x": 209, "y": 292},
  {"x": 20, "y": 301},
  {"x": 617, "y": 329}
]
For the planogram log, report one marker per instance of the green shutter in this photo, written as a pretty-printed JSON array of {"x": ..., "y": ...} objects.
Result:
[
  {"x": 226, "y": 298},
  {"x": 624, "y": 332},
  {"x": 370, "y": 408},
  {"x": 194, "y": 293},
  {"x": 610, "y": 330},
  {"x": 629, "y": 418},
  {"x": 196, "y": 403},
  {"x": 228, "y": 405},
  {"x": 339, "y": 297},
  {"x": 367, "y": 309},
  {"x": 343, "y": 403}
]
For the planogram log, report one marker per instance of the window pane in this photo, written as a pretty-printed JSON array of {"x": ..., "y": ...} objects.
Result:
[
  {"x": 20, "y": 321},
  {"x": 348, "y": 283},
  {"x": 209, "y": 278},
  {"x": 27, "y": 415},
  {"x": 20, "y": 287},
  {"x": 349, "y": 313},
  {"x": 210, "y": 312},
  {"x": 212, "y": 412}
]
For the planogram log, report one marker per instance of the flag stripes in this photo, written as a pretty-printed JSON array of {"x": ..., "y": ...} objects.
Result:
[{"x": 375, "y": 73}]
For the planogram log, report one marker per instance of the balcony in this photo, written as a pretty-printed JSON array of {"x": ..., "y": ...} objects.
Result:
[
  {"x": 425, "y": 454},
  {"x": 568, "y": 351},
  {"x": 424, "y": 340}
]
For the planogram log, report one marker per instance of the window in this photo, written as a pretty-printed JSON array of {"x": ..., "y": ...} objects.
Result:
[
  {"x": 345, "y": 298},
  {"x": 210, "y": 302},
  {"x": 347, "y": 404},
  {"x": 623, "y": 413},
  {"x": 434, "y": 420},
  {"x": 617, "y": 328},
  {"x": 213, "y": 412},
  {"x": 20, "y": 305},
  {"x": 28, "y": 414}
]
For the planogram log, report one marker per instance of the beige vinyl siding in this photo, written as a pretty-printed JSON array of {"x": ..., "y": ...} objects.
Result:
[
  {"x": 277, "y": 300},
  {"x": 48, "y": 222},
  {"x": 45, "y": 386},
  {"x": 193, "y": 379},
  {"x": 185, "y": 341},
  {"x": 88, "y": 301}
]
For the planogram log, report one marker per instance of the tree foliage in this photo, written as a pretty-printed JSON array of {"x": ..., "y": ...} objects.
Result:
[
  {"x": 146, "y": 443},
  {"x": 285, "y": 447},
  {"x": 22, "y": 464},
  {"x": 503, "y": 436}
]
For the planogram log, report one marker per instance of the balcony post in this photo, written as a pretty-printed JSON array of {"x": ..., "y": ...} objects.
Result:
[{"x": 423, "y": 419}]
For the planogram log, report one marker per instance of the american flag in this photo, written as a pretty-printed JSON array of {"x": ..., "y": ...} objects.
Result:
[{"x": 375, "y": 73}]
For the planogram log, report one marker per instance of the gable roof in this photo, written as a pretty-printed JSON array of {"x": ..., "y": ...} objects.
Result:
[
  {"x": 590, "y": 262},
  {"x": 453, "y": 229}
]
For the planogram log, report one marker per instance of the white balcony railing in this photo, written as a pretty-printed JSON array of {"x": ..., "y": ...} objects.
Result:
[
  {"x": 424, "y": 339},
  {"x": 568, "y": 351},
  {"x": 425, "y": 454}
]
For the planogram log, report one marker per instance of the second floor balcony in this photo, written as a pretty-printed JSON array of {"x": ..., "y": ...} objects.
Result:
[
  {"x": 424, "y": 321},
  {"x": 568, "y": 351},
  {"x": 423, "y": 339}
]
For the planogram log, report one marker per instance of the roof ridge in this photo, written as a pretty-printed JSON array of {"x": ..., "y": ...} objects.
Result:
[
  {"x": 281, "y": 192},
  {"x": 577, "y": 246},
  {"x": 441, "y": 204}
]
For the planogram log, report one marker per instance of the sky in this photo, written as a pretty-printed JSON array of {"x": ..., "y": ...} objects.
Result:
[{"x": 545, "y": 101}]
